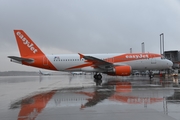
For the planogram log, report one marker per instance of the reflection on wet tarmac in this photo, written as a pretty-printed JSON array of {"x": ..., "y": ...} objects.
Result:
[
  {"x": 112, "y": 93},
  {"x": 83, "y": 98}
]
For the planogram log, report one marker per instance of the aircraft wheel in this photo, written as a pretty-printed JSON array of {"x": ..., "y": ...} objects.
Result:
[
  {"x": 99, "y": 76},
  {"x": 95, "y": 76},
  {"x": 98, "y": 82},
  {"x": 97, "y": 79}
]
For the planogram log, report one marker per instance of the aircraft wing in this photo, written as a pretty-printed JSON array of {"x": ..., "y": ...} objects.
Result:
[
  {"x": 20, "y": 59},
  {"x": 97, "y": 62}
]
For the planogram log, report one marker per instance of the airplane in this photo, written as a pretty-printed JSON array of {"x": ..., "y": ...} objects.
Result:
[
  {"x": 115, "y": 64},
  {"x": 42, "y": 73}
]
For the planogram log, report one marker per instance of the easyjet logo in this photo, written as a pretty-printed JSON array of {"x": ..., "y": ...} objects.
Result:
[
  {"x": 26, "y": 42},
  {"x": 137, "y": 56}
]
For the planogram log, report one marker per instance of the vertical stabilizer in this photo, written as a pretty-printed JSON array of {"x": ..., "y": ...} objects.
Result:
[
  {"x": 26, "y": 46},
  {"x": 30, "y": 53}
]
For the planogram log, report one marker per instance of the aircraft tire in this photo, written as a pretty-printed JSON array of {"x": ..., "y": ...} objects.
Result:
[
  {"x": 99, "y": 76},
  {"x": 98, "y": 82}
]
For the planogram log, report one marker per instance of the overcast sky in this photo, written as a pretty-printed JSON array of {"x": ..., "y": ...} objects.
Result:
[{"x": 88, "y": 26}]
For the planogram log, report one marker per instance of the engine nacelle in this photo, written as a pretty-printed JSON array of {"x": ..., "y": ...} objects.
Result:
[{"x": 122, "y": 70}]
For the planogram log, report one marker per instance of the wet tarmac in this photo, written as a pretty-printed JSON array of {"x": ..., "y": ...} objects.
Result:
[{"x": 68, "y": 97}]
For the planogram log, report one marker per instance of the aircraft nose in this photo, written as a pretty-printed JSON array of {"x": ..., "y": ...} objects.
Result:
[{"x": 169, "y": 63}]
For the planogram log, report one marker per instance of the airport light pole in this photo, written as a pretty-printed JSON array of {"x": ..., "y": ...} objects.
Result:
[
  {"x": 162, "y": 43},
  {"x": 143, "y": 47},
  {"x": 130, "y": 50}
]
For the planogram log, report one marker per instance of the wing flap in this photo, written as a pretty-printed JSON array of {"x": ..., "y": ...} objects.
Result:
[
  {"x": 94, "y": 60},
  {"x": 98, "y": 63}
]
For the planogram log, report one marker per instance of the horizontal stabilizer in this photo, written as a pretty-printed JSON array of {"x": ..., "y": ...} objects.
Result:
[{"x": 20, "y": 59}]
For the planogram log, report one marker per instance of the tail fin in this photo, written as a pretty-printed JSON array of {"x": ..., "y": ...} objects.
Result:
[
  {"x": 26, "y": 46},
  {"x": 31, "y": 55}
]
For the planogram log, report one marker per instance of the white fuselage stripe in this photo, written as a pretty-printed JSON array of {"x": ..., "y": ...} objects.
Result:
[{"x": 64, "y": 61}]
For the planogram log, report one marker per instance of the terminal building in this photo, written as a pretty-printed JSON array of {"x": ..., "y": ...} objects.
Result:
[{"x": 174, "y": 56}]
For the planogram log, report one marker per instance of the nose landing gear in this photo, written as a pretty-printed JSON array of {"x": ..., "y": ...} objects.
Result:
[{"x": 151, "y": 75}]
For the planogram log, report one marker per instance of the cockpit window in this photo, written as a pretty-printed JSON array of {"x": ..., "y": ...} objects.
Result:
[{"x": 162, "y": 57}]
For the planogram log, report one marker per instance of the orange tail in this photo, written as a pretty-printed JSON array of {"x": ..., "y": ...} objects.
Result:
[
  {"x": 26, "y": 46},
  {"x": 31, "y": 55}
]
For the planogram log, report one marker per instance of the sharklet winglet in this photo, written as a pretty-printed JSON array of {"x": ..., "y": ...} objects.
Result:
[{"x": 81, "y": 55}]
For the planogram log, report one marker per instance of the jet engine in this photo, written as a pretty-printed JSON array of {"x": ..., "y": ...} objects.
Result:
[{"x": 121, "y": 70}]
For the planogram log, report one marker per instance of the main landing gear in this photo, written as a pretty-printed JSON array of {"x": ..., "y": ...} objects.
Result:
[{"x": 98, "y": 79}]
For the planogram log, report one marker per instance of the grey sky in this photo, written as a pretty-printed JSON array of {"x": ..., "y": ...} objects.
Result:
[{"x": 88, "y": 26}]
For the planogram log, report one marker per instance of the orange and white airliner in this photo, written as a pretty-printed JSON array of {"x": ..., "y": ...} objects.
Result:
[{"x": 120, "y": 64}]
